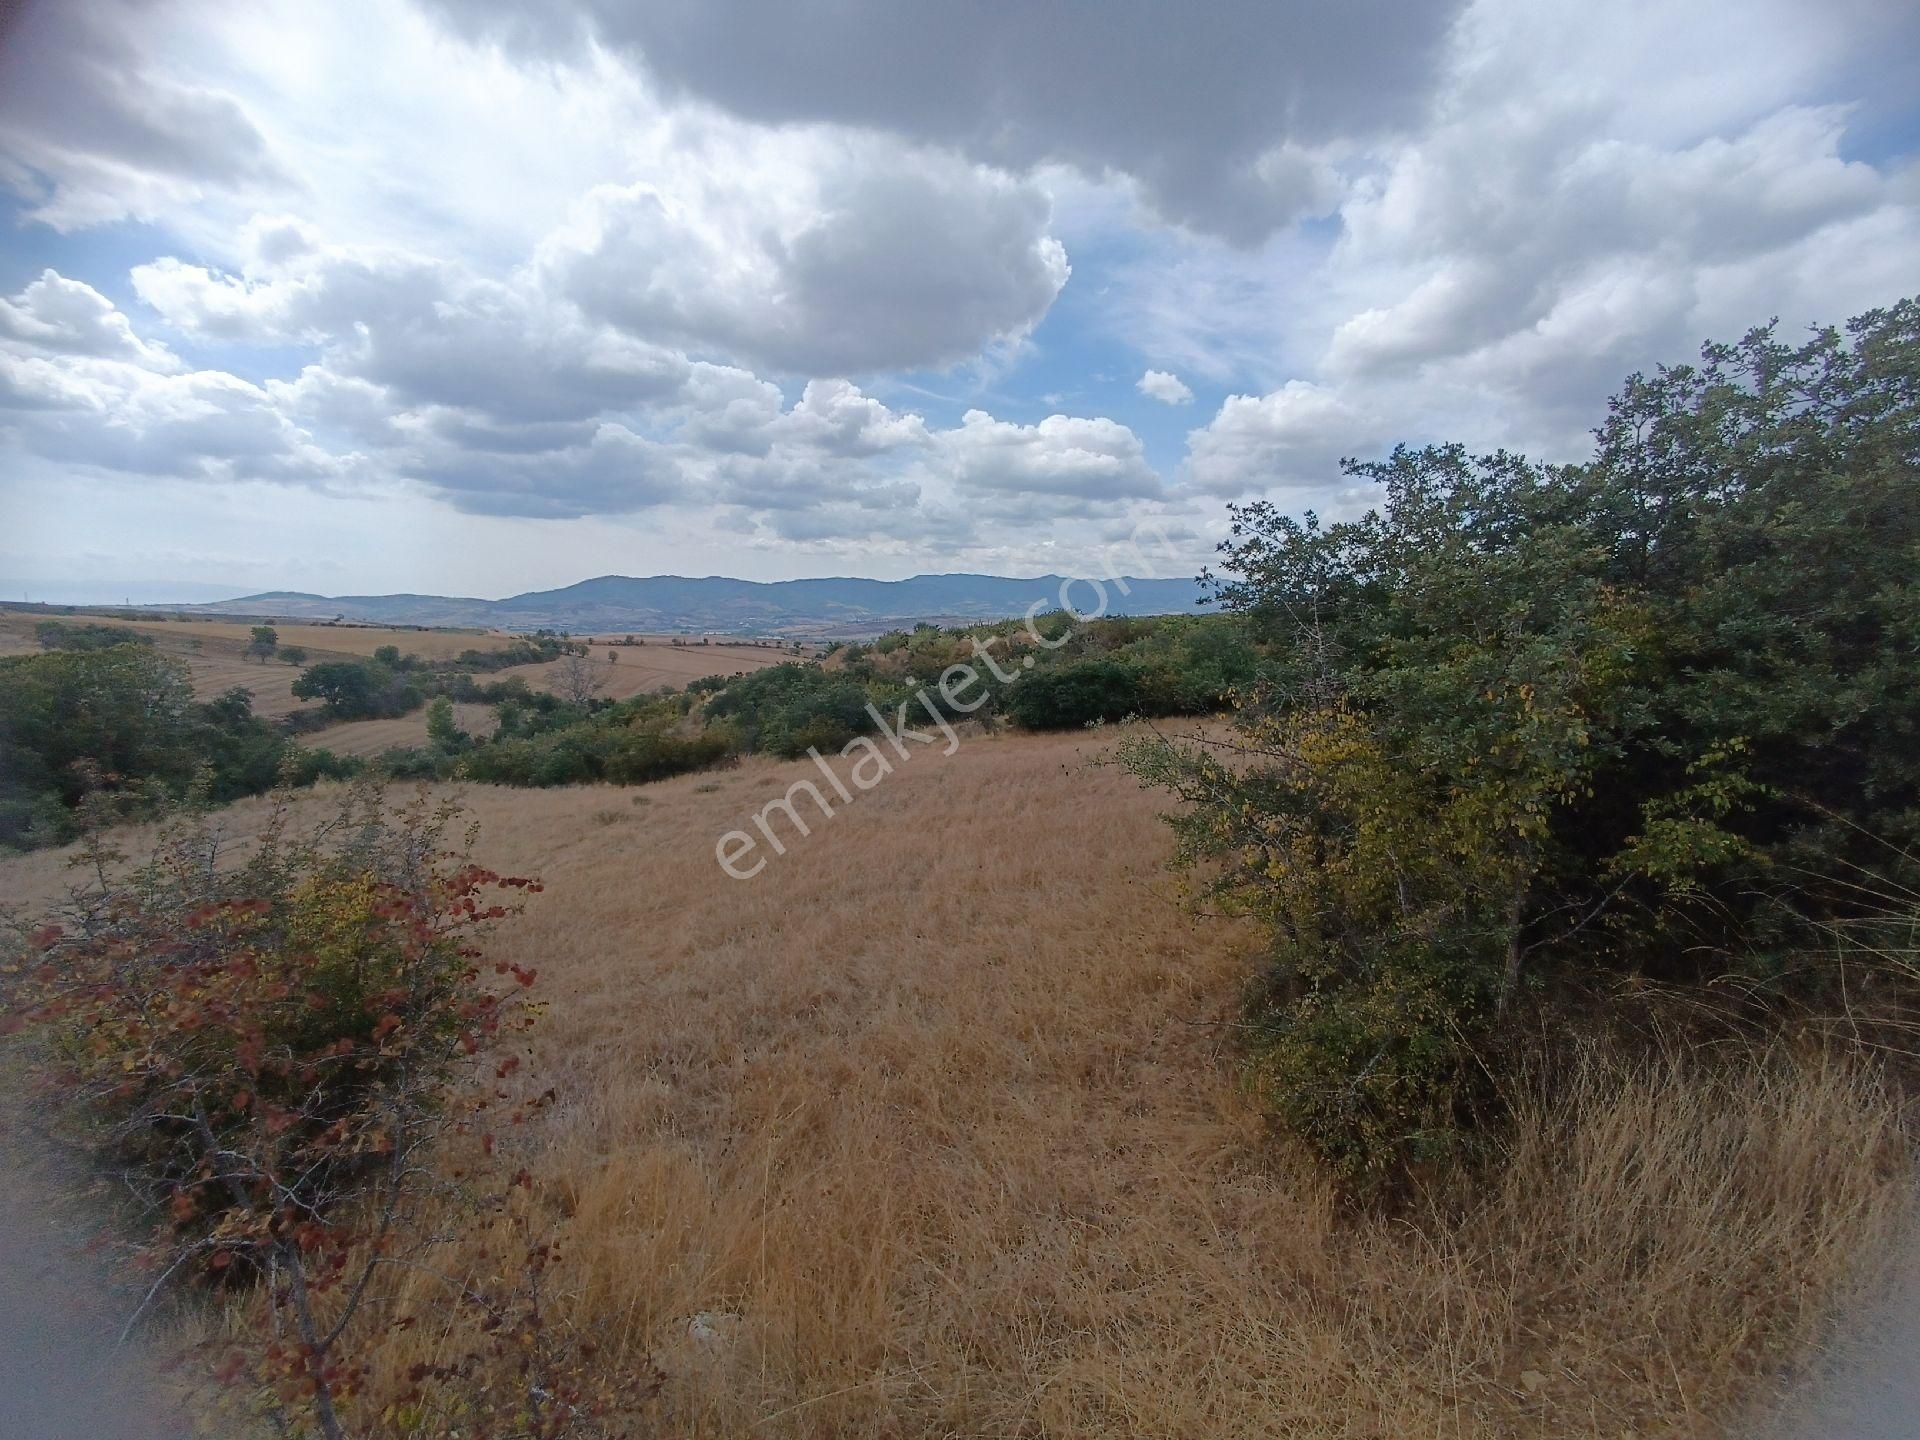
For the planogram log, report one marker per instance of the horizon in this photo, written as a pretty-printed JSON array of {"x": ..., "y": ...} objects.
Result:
[{"x": 119, "y": 593}]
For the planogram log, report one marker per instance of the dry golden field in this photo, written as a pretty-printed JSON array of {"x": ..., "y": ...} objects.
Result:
[
  {"x": 642, "y": 668},
  {"x": 215, "y": 654},
  {"x": 936, "y": 1124},
  {"x": 336, "y": 640},
  {"x": 367, "y": 738}
]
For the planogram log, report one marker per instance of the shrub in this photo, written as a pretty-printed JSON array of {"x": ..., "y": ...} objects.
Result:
[
  {"x": 786, "y": 707},
  {"x": 64, "y": 635},
  {"x": 262, "y": 1056},
  {"x": 1084, "y": 692},
  {"x": 650, "y": 754},
  {"x": 1529, "y": 727}
]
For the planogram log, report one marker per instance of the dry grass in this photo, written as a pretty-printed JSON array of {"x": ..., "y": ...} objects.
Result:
[
  {"x": 214, "y": 654},
  {"x": 332, "y": 640},
  {"x": 943, "y": 1108},
  {"x": 367, "y": 738},
  {"x": 643, "y": 668}
]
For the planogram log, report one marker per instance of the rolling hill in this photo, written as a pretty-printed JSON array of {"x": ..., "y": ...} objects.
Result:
[{"x": 834, "y": 607}]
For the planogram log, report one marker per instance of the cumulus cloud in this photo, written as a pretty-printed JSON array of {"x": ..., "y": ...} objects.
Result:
[
  {"x": 80, "y": 387},
  {"x": 72, "y": 318},
  {"x": 889, "y": 262},
  {"x": 426, "y": 330},
  {"x": 1164, "y": 386},
  {"x": 1501, "y": 245},
  {"x": 202, "y": 425},
  {"x": 685, "y": 261},
  {"x": 611, "y": 472},
  {"x": 1063, "y": 465},
  {"x": 1292, "y": 439}
]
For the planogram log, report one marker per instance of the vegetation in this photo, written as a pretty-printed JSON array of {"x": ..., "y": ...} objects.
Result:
[
  {"x": 359, "y": 689},
  {"x": 264, "y": 1058},
  {"x": 1532, "y": 732},
  {"x": 263, "y": 644},
  {"x": 121, "y": 722},
  {"x": 60, "y": 635},
  {"x": 971, "y": 1154},
  {"x": 785, "y": 709}
]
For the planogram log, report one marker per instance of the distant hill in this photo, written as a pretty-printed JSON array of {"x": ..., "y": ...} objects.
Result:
[{"x": 841, "y": 606}]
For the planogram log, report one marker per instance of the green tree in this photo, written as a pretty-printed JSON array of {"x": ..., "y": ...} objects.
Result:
[
  {"x": 345, "y": 687},
  {"x": 1523, "y": 727},
  {"x": 443, "y": 732},
  {"x": 264, "y": 642},
  {"x": 75, "y": 721}
]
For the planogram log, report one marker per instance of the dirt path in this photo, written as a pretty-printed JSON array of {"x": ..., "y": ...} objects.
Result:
[
  {"x": 1868, "y": 1386},
  {"x": 63, "y": 1374}
]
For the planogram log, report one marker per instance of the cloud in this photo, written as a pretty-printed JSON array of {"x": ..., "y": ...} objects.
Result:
[
  {"x": 1063, "y": 465},
  {"x": 1217, "y": 111},
  {"x": 72, "y": 318},
  {"x": 1500, "y": 245},
  {"x": 1292, "y": 439},
  {"x": 429, "y": 332},
  {"x": 1164, "y": 386},
  {"x": 201, "y": 425},
  {"x": 889, "y": 260},
  {"x": 663, "y": 261},
  {"x": 91, "y": 134},
  {"x": 612, "y": 472}
]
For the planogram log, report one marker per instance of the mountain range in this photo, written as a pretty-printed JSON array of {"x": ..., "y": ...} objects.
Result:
[{"x": 839, "y": 607}]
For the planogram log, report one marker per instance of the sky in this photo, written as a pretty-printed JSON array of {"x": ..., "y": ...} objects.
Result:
[{"x": 482, "y": 296}]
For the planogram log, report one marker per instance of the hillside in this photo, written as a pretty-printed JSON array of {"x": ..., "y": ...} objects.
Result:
[
  {"x": 840, "y": 607},
  {"x": 936, "y": 1127}
]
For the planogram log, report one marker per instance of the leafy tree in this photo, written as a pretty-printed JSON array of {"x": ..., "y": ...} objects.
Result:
[
  {"x": 346, "y": 687},
  {"x": 294, "y": 655},
  {"x": 264, "y": 642},
  {"x": 357, "y": 690},
  {"x": 74, "y": 721},
  {"x": 1525, "y": 727},
  {"x": 443, "y": 733},
  {"x": 121, "y": 725}
]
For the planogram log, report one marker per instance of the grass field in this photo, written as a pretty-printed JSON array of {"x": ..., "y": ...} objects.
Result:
[
  {"x": 642, "y": 668},
  {"x": 332, "y": 639},
  {"x": 215, "y": 654},
  {"x": 938, "y": 1122},
  {"x": 367, "y": 738}
]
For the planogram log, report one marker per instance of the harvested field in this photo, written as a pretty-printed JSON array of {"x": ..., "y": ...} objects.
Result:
[
  {"x": 367, "y": 738},
  {"x": 337, "y": 640},
  {"x": 215, "y": 657},
  {"x": 642, "y": 668}
]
